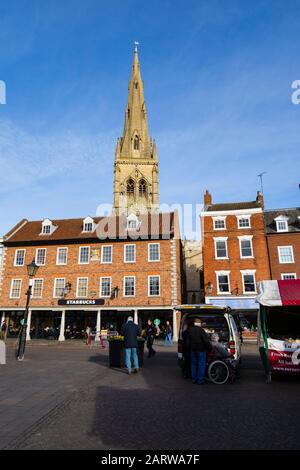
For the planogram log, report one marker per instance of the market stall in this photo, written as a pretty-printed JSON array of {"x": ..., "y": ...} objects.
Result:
[{"x": 279, "y": 327}]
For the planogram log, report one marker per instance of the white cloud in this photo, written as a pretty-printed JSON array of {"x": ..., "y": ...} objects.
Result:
[{"x": 26, "y": 158}]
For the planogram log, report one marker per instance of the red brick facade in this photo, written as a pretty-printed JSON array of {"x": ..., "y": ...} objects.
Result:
[
  {"x": 117, "y": 270},
  {"x": 233, "y": 263},
  {"x": 286, "y": 263}
]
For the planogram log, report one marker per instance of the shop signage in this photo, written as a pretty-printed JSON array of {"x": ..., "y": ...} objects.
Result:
[{"x": 81, "y": 302}]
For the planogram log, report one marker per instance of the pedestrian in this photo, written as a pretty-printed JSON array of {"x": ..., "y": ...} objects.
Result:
[
  {"x": 186, "y": 351},
  {"x": 200, "y": 344},
  {"x": 4, "y": 330},
  {"x": 131, "y": 331},
  {"x": 168, "y": 334},
  {"x": 88, "y": 335},
  {"x": 150, "y": 335}
]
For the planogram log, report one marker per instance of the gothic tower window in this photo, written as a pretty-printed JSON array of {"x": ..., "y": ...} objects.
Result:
[
  {"x": 142, "y": 189},
  {"x": 130, "y": 189},
  {"x": 136, "y": 143}
]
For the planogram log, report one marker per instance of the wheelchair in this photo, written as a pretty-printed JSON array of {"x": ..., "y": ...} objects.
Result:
[{"x": 221, "y": 370}]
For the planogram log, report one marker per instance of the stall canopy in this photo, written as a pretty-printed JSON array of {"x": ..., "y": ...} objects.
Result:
[{"x": 279, "y": 293}]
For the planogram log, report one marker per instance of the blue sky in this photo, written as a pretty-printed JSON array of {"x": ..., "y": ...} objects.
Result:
[{"x": 217, "y": 76}]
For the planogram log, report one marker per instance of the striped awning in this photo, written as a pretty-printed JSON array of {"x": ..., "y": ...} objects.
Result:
[{"x": 279, "y": 293}]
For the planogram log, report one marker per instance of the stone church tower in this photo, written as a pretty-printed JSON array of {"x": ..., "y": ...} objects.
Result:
[{"x": 136, "y": 162}]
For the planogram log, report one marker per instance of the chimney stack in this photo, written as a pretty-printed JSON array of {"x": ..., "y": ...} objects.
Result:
[
  {"x": 207, "y": 198},
  {"x": 260, "y": 199}
]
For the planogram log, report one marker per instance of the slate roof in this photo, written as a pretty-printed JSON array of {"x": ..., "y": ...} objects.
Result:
[
  {"x": 160, "y": 225},
  {"x": 232, "y": 206},
  {"x": 293, "y": 222}
]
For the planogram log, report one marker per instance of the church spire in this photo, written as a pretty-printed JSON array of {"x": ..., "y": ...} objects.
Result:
[
  {"x": 135, "y": 142},
  {"x": 136, "y": 161}
]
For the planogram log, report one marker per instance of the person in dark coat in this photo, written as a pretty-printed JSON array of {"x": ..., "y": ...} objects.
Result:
[
  {"x": 200, "y": 344},
  {"x": 150, "y": 335},
  {"x": 131, "y": 331}
]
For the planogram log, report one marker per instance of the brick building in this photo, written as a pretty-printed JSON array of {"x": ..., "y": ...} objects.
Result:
[
  {"x": 93, "y": 271},
  {"x": 235, "y": 255},
  {"x": 283, "y": 238},
  {"x": 96, "y": 271}
]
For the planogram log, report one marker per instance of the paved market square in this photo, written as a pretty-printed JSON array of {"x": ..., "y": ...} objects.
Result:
[{"x": 65, "y": 396}]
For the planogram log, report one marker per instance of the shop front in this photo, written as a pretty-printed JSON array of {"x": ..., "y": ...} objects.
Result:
[{"x": 70, "y": 322}]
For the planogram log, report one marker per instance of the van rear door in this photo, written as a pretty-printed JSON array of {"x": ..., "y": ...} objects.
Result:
[{"x": 234, "y": 343}]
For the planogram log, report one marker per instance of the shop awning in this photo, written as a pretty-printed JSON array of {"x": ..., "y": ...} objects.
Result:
[{"x": 279, "y": 293}]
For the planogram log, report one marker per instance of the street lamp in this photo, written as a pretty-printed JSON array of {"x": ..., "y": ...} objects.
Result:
[{"x": 31, "y": 270}]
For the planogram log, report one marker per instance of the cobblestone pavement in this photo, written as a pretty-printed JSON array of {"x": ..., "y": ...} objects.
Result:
[{"x": 95, "y": 407}]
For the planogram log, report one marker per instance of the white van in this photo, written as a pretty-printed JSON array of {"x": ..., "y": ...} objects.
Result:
[{"x": 215, "y": 319}]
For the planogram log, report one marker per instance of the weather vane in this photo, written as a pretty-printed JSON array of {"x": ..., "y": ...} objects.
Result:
[{"x": 136, "y": 44}]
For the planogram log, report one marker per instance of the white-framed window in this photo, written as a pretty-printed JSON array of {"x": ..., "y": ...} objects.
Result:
[
  {"x": 84, "y": 255},
  {"x": 221, "y": 251},
  {"x": 46, "y": 229},
  {"x": 1, "y": 255},
  {"x": 19, "y": 258},
  {"x": 246, "y": 247},
  {"x": 62, "y": 255},
  {"x": 129, "y": 286},
  {"x": 285, "y": 254},
  {"x": 153, "y": 286},
  {"x": 37, "y": 288},
  {"x": 282, "y": 223},
  {"x": 219, "y": 223},
  {"x": 288, "y": 276},
  {"x": 88, "y": 227},
  {"x": 59, "y": 286},
  {"x": 249, "y": 283},
  {"x": 243, "y": 221},
  {"x": 223, "y": 282},
  {"x": 105, "y": 286},
  {"x": 133, "y": 222},
  {"x": 82, "y": 287},
  {"x": 106, "y": 254},
  {"x": 153, "y": 252},
  {"x": 129, "y": 253},
  {"x": 40, "y": 256},
  {"x": 15, "y": 288}
]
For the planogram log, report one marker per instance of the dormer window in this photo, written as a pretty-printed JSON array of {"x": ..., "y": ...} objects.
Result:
[
  {"x": 47, "y": 227},
  {"x": 88, "y": 225},
  {"x": 282, "y": 224},
  {"x": 133, "y": 222}
]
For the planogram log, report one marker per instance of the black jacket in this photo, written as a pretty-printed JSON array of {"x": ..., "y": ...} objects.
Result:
[
  {"x": 199, "y": 340},
  {"x": 130, "y": 331},
  {"x": 150, "y": 331}
]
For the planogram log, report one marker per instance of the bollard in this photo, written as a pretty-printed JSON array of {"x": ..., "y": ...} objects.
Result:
[{"x": 2, "y": 353}]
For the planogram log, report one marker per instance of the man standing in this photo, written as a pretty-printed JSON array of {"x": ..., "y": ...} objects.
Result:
[
  {"x": 168, "y": 334},
  {"x": 131, "y": 331},
  {"x": 200, "y": 344},
  {"x": 4, "y": 331},
  {"x": 150, "y": 335}
]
